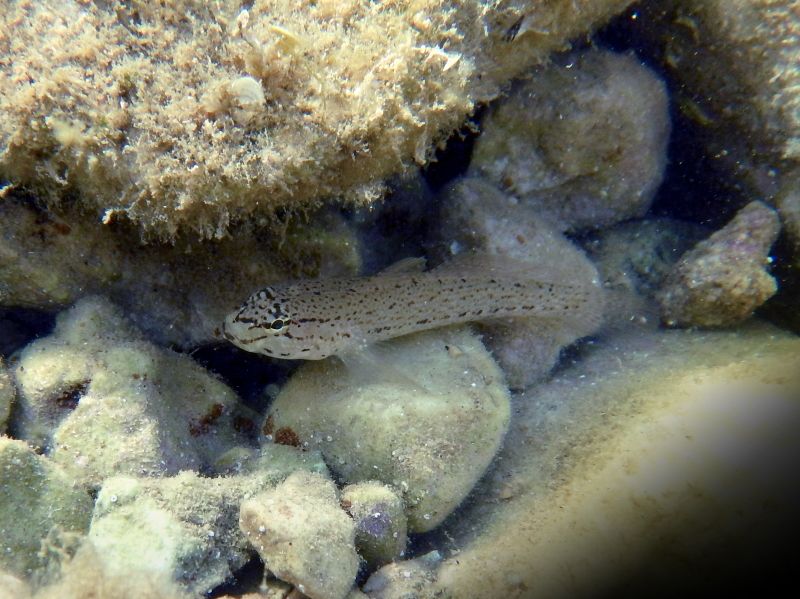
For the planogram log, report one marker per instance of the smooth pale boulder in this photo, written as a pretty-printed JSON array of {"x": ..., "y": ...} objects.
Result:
[{"x": 424, "y": 413}]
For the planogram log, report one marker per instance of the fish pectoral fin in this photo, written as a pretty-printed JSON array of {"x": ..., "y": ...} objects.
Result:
[
  {"x": 369, "y": 365},
  {"x": 406, "y": 265}
]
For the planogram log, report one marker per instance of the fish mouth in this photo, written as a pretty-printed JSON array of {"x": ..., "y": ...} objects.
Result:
[{"x": 226, "y": 334}]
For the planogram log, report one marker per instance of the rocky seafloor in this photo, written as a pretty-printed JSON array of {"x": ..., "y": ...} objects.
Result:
[{"x": 651, "y": 451}]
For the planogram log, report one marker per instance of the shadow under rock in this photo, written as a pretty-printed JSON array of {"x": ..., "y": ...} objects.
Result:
[
  {"x": 248, "y": 374},
  {"x": 20, "y": 326}
]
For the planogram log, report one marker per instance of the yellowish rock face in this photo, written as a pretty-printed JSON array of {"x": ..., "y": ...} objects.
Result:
[{"x": 680, "y": 441}]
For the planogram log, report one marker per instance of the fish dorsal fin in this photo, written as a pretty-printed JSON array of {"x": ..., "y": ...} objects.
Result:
[
  {"x": 503, "y": 266},
  {"x": 406, "y": 265},
  {"x": 569, "y": 276}
]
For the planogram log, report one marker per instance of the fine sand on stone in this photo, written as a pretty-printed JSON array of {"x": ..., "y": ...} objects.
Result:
[{"x": 661, "y": 454}]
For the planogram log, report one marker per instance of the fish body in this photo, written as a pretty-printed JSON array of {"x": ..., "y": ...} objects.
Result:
[{"x": 314, "y": 319}]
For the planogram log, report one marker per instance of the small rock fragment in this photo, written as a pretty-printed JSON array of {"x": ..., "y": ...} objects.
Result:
[
  {"x": 36, "y": 498},
  {"x": 380, "y": 521},
  {"x": 412, "y": 578},
  {"x": 303, "y": 536},
  {"x": 722, "y": 280}
]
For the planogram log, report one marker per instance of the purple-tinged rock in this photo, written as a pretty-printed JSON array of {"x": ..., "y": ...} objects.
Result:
[{"x": 723, "y": 279}]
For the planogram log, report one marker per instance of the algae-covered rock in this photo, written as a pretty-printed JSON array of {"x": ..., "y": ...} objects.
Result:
[
  {"x": 723, "y": 279},
  {"x": 36, "y": 500},
  {"x": 6, "y": 396},
  {"x": 425, "y": 413},
  {"x": 584, "y": 142},
  {"x": 476, "y": 216},
  {"x": 183, "y": 529},
  {"x": 663, "y": 460},
  {"x": 380, "y": 520},
  {"x": 303, "y": 535},
  {"x": 177, "y": 294},
  {"x": 186, "y": 115},
  {"x": 101, "y": 401}
]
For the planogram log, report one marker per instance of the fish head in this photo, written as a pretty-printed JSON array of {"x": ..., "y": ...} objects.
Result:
[{"x": 266, "y": 324}]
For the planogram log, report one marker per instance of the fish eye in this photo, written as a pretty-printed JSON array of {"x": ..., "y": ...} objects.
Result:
[{"x": 277, "y": 324}]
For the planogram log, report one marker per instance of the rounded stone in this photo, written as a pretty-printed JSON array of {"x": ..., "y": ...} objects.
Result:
[
  {"x": 380, "y": 519},
  {"x": 425, "y": 413},
  {"x": 584, "y": 142}
]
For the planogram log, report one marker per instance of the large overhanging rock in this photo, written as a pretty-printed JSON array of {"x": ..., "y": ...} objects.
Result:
[{"x": 192, "y": 116}]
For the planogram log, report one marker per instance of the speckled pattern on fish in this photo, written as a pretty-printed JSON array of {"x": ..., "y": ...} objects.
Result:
[{"x": 315, "y": 319}]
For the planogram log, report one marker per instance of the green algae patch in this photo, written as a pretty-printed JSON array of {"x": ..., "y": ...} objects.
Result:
[{"x": 37, "y": 502}]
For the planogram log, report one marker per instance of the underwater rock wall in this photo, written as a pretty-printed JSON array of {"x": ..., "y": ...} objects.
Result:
[
  {"x": 736, "y": 63},
  {"x": 178, "y": 294}
]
